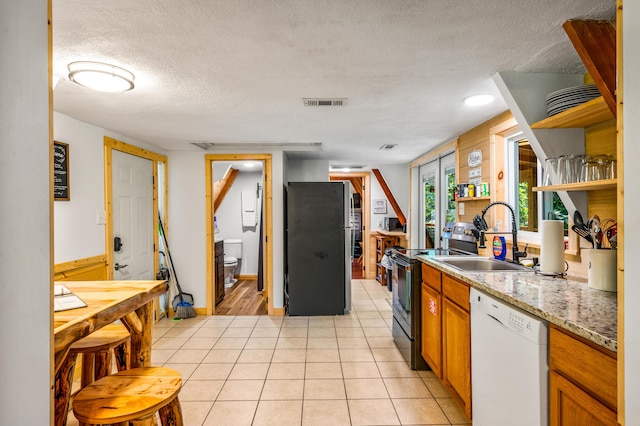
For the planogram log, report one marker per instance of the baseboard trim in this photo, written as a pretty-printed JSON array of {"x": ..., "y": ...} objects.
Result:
[
  {"x": 278, "y": 312},
  {"x": 247, "y": 277},
  {"x": 199, "y": 311}
]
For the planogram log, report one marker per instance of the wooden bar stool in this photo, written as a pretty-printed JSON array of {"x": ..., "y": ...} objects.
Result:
[
  {"x": 97, "y": 348},
  {"x": 131, "y": 396}
]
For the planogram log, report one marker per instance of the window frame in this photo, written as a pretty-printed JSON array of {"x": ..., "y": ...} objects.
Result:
[{"x": 511, "y": 139}]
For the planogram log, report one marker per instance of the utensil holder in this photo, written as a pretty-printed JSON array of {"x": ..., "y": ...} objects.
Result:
[{"x": 603, "y": 269}]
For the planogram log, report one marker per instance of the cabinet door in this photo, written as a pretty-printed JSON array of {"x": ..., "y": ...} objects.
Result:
[
  {"x": 456, "y": 353},
  {"x": 571, "y": 406},
  {"x": 432, "y": 329},
  {"x": 219, "y": 286}
]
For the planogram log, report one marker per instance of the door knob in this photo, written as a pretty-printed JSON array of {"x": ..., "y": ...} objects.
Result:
[{"x": 119, "y": 266}]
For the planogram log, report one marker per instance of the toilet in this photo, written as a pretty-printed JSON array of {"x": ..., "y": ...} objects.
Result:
[{"x": 232, "y": 260}]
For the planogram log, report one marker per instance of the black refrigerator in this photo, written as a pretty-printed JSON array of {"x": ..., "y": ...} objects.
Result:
[{"x": 319, "y": 234}]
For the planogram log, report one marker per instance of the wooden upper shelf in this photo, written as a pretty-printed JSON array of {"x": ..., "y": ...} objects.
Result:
[{"x": 584, "y": 115}]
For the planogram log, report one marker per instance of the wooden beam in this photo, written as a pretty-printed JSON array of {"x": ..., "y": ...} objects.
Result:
[
  {"x": 357, "y": 185},
  {"x": 396, "y": 208},
  {"x": 221, "y": 187},
  {"x": 595, "y": 42}
]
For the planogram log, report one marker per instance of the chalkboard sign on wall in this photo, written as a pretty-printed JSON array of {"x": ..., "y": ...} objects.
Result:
[{"x": 60, "y": 171}]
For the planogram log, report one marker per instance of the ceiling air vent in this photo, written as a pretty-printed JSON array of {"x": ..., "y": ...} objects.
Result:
[
  {"x": 316, "y": 102},
  {"x": 388, "y": 146},
  {"x": 203, "y": 145}
]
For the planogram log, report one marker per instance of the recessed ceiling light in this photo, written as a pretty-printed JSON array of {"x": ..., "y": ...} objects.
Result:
[
  {"x": 479, "y": 100},
  {"x": 249, "y": 165},
  {"x": 100, "y": 76}
]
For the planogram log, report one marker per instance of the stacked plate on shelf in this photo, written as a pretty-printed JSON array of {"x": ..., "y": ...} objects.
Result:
[{"x": 570, "y": 97}]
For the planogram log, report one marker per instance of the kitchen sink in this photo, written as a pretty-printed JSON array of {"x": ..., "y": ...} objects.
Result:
[{"x": 487, "y": 264}]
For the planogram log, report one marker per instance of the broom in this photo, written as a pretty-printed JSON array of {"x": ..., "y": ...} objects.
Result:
[{"x": 183, "y": 302}]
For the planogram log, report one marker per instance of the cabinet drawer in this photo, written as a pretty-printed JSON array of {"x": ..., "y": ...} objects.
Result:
[
  {"x": 456, "y": 291},
  {"x": 591, "y": 368},
  {"x": 431, "y": 277}
]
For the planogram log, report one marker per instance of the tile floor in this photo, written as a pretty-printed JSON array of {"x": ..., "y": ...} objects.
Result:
[{"x": 261, "y": 370}]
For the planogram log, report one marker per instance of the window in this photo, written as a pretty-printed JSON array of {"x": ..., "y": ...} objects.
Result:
[
  {"x": 525, "y": 172},
  {"x": 438, "y": 205}
]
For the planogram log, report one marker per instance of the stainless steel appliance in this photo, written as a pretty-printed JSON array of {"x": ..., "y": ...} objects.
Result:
[
  {"x": 318, "y": 252},
  {"x": 406, "y": 286}
]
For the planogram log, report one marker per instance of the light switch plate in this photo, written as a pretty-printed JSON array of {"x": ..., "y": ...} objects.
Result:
[
  {"x": 461, "y": 209},
  {"x": 101, "y": 217}
]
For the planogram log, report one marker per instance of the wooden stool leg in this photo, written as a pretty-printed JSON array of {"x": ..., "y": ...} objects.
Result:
[
  {"x": 123, "y": 355},
  {"x": 63, "y": 383},
  {"x": 102, "y": 364},
  {"x": 147, "y": 421},
  {"x": 88, "y": 362},
  {"x": 171, "y": 414}
]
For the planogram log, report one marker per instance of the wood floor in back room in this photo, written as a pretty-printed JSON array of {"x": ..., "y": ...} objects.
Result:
[{"x": 242, "y": 299}]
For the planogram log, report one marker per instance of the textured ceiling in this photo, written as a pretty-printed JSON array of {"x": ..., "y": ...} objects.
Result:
[{"x": 236, "y": 71}]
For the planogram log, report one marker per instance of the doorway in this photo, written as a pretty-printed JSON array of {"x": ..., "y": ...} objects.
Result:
[
  {"x": 361, "y": 265},
  {"x": 265, "y": 239},
  {"x": 132, "y": 200},
  {"x": 238, "y": 200},
  {"x": 149, "y": 207}
]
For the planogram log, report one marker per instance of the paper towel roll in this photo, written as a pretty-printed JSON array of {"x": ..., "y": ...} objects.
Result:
[{"x": 552, "y": 247}]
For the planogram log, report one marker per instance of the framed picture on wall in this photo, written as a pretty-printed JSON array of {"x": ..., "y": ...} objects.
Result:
[
  {"x": 380, "y": 206},
  {"x": 61, "y": 171}
]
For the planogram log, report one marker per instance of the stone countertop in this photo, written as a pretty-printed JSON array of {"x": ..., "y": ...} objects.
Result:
[{"x": 568, "y": 303}]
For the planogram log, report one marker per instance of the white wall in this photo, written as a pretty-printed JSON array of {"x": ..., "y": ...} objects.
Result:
[
  {"x": 397, "y": 178},
  {"x": 187, "y": 222},
  {"x": 25, "y": 256},
  {"x": 86, "y": 176},
  {"x": 307, "y": 170},
  {"x": 229, "y": 219},
  {"x": 377, "y": 219},
  {"x": 631, "y": 35}
]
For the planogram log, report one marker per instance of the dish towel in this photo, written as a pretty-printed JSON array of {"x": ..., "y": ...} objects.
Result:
[{"x": 248, "y": 200}]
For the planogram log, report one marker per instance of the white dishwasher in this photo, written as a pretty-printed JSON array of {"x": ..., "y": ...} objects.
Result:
[{"x": 509, "y": 364}]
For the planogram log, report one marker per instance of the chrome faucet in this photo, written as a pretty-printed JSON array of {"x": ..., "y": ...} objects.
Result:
[{"x": 482, "y": 226}]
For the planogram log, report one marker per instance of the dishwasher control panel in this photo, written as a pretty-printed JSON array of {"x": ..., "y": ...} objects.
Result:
[{"x": 517, "y": 320}]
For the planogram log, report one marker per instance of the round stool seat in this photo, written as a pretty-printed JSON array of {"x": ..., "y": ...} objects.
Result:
[
  {"x": 132, "y": 394},
  {"x": 103, "y": 339}
]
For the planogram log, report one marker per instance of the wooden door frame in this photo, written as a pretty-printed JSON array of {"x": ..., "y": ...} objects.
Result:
[
  {"x": 111, "y": 144},
  {"x": 268, "y": 226},
  {"x": 369, "y": 266}
]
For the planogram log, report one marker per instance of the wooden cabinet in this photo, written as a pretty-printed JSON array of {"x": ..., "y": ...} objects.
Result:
[
  {"x": 219, "y": 271},
  {"x": 582, "y": 381},
  {"x": 383, "y": 242},
  {"x": 456, "y": 341},
  {"x": 432, "y": 329},
  {"x": 431, "y": 319},
  {"x": 446, "y": 333}
]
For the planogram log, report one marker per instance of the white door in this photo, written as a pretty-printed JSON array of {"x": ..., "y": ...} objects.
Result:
[
  {"x": 437, "y": 207},
  {"x": 133, "y": 224},
  {"x": 428, "y": 204}
]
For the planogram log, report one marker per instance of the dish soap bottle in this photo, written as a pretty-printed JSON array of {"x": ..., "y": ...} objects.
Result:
[{"x": 499, "y": 247}]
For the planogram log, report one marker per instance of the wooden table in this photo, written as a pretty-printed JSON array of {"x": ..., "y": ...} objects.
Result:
[{"x": 107, "y": 301}]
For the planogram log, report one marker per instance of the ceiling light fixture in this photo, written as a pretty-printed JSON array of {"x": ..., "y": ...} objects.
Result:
[
  {"x": 249, "y": 165},
  {"x": 100, "y": 76},
  {"x": 479, "y": 100}
]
